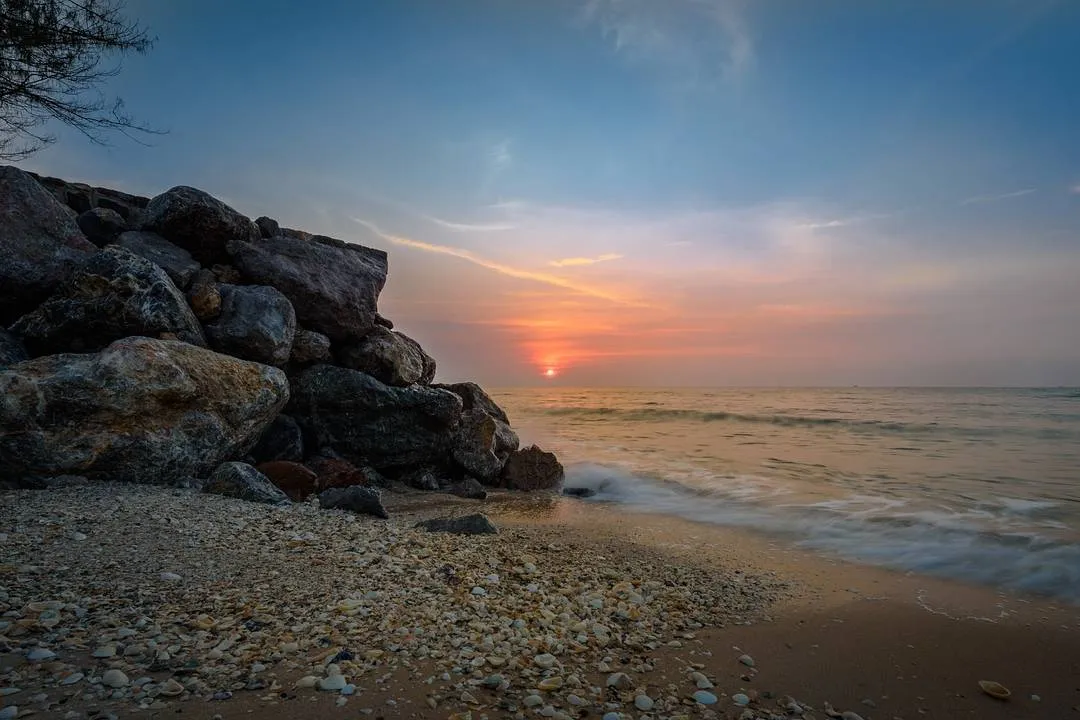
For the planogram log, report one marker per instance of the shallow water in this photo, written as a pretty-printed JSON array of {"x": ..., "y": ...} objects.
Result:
[{"x": 973, "y": 484}]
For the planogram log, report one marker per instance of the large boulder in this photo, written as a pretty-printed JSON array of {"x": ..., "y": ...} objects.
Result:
[
  {"x": 281, "y": 440},
  {"x": 255, "y": 323},
  {"x": 370, "y": 423},
  {"x": 473, "y": 396},
  {"x": 334, "y": 287},
  {"x": 101, "y": 225},
  {"x": 176, "y": 261},
  {"x": 197, "y": 222},
  {"x": 115, "y": 294},
  {"x": 240, "y": 480},
  {"x": 532, "y": 469},
  {"x": 40, "y": 244},
  {"x": 141, "y": 410},
  {"x": 11, "y": 350},
  {"x": 484, "y": 439},
  {"x": 292, "y": 478},
  {"x": 390, "y": 357}
]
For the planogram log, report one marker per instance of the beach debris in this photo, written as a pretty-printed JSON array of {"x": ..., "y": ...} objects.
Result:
[
  {"x": 995, "y": 689},
  {"x": 706, "y": 698}
]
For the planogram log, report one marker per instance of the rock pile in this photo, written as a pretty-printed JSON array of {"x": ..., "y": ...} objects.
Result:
[{"x": 155, "y": 339}]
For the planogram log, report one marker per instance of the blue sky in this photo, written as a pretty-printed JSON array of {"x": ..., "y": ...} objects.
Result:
[{"x": 651, "y": 191}]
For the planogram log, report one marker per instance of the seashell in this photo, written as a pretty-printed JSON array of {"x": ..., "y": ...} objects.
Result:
[{"x": 995, "y": 689}]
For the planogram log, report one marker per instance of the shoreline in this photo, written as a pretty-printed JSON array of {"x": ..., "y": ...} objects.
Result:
[{"x": 818, "y": 629}]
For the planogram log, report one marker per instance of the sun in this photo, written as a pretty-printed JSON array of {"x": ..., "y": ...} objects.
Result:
[{"x": 550, "y": 372}]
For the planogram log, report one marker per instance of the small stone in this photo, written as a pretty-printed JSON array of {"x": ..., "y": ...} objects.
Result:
[
  {"x": 740, "y": 699},
  {"x": 544, "y": 660},
  {"x": 746, "y": 660},
  {"x": 533, "y": 701},
  {"x": 72, "y": 678},
  {"x": 172, "y": 688},
  {"x": 170, "y": 577},
  {"x": 620, "y": 681},
  {"x": 643, "y": 703},
  {"x": 1036, "y": 698},
  {"x": 333, "y": 683},
  {"x": 114, "y": 679},
  {"x": 848, "y": 715},
  {"x": 340, "y": 702},
  {"x": 349, "y": 689},
  {"x": 611, "y": 716},
  {"x": 9, "y": 713},
  {"x": 479, "y": 591},
  {"x": 105, "y": 651},
  {"x": 551, "y": 683},
  {"x": 308, "y": 681},
  {"x": 702, "y": 682},
  {"x": 576, "y": 701},
  {"x": 707, "y": 698},
  {"x": 40, "y": 654}
]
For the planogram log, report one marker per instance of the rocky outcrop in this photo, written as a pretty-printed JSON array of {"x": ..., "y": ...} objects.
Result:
[
  {"x": 197, "y": 222},
  {"x": 475, "y": 524},
  {"x": 81, "y": 198},
  {"x": 240, "y": 480},
  {"x": 175, "y": 261},
  {"x": 390, "y": 357},
  {"x": 255, "y": 323},
  {"x": 370, "y": 423},
  {"x": 11, "y": 350},
  {"x": 101, "y": 226},
  {"x": 141, "y": 410},
  {"x": 112, "y": 295},
  {"x": 40, "y": 244},
  {"x": 281, "y": 440},
  {"x": 484, "y": 437},
  {"x": 363, "y": 500},
  {"x": 532, "y": 469},
  {"x": 333, "y": 286}
]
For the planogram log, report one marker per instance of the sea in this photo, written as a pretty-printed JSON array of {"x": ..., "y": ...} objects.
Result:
[{"x": 978, "y": 485}]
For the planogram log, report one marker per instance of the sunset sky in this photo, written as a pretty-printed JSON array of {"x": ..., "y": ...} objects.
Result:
[{"x": 650, "y": 192}]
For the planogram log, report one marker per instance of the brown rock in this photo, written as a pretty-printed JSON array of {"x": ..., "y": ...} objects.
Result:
[
  {"x": 532, "y": 469},
  {"x": 292, "y": 478},
  {"x": 204, "y": 297}
]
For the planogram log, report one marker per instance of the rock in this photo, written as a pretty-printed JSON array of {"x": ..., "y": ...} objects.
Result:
[
  {"x": 101, "y": 225},
  {"x": 227, "y": 274},
  {"x": 147, "y": 411},
  {"x": 620, "y": 681},
  {"x": 175, "y": 261},
  {"x": 643, "y": 702},
  {"x": 292, "y": 478},
  {"x": 204, "y": 296},
  {"x": 746, "y": 660},
  {"x": 532, "y": 469},
  {"x": 281, "y": 440},
  {"x": 578, "y": 492},
  {"x": 333, "y": 286},
  {"x": 255, "y": 323},
  {"x": 240, "y": 480},
  {"x": 197, "y": 222},
  {"x": 737, "y": 698},
  {"x": 468, "y": 488},
  {"x": 475, "y": 524},
  {"x": 333, "y": 683},
  {"x": 424, "y": 478},
  {"x": 40, "y": 244},
  {"x": 390, "y": 357},
  {"x": 700, "y": 681},
  {"x": 12, "y": 351},
  {"x": 474, "y": 446},
  {"x": 545, "y": 660},
  {"x": 374, "y": 424},
  {"x": 171, "y": 688},
  {"x": 704, "y": 697},
  {"x": 114, "y": 678},
  {"x": 309, "y": 347},
  {"x": 40, "y": 654},
  {"x": 357, "y": 499},
  {"x": 9, "y": 713},
  {"x": 268, "y": 227},
  {"x": 473, "y": 396},
  {"x": 367, "y": 477},
  {"x": 115, "y": 294}
]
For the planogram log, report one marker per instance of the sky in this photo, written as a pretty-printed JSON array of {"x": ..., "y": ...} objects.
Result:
[{"x": 649, "y": 192}]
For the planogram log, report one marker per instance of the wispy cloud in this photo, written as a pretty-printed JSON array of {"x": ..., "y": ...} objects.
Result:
[
  {"x": 980, "y": 199},
  {"x": 1075, "y": 189},
  {"x": 702, "y": 40},
  {"x": 574, "y": 261},
  {"x": 469, "y": 227},
  {"x": 501, "y": 268}
]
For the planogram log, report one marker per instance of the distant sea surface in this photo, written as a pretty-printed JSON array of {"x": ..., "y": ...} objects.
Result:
[{"x": 981, "y": 485}]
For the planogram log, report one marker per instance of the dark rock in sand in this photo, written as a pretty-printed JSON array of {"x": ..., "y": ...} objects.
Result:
[
  {"x": 579, "y": 492},
  {"x": 363, "y": 500},
  {"x": 113, "y": 295},
  {"x": 141, "y": 410},
  {"x": 309, "y": 347},
  {"x": 345, "y": 474},
  {"x": 389, "y": 357},
  {"x": 175, "y": 261},
  {"x": 255, "y": 323},
  {"x": 334, "y": 286},
  {"x": 101, "y": 226},
  {"x": 11, "y": 350},
  {"x": 268, "y": 227},
  {"x": 240, "y": 480},
  {"x": 475, "y": 524},
  {"x": 281, "y": 440},
  {"x": 40, "y": 244},
  {"x": 197, "y": 222},
  {"x": 292, "y": 478},
  {"x": 370, "y": 423},
  {"x": 422, "y": 479},
  {"x": 469, "y": 488},
  {"x": 532, "y": 469}
]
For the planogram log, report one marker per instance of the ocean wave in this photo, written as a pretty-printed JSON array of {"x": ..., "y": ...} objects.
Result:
[
  {"x": 652, "y": 414},
  {"x": 981, "y": 546}
]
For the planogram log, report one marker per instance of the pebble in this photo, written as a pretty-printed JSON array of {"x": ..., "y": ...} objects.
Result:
[
  {"x": 9, "y": 691},
  {"x": 340, "y": 702},
  {"x": 643, "y": 703},
  {"x": 740, "y": 699},
  {"x": 40, "y": 654},
  {"x": 172, "y": 688},
  {"x": 170, "y": 577},
  {"x": 349, "y": 689},
  {"x": 333, "y": 683},
  {"x": 706, "y": 698},
  {"x": 9, "y": 713},
  {"x": 551, "y": 683},
  {"x": 848, "y": 715},
  {"x": 746, "y": 660},
  {"x": 105, "y": 651},
  {"x": 308, "y": 681},
  {"x": 479, "y": 591},
  {"x": 702, "y": 682},
  {"x": 611, "y": 716},
  {"x": 72, "y": 678},
  {"x": 544, "y": 660},
  {"x": 114, "y": 678},
  {"x": 533, "y": 701},
  {"x": 620, "y": 681}
]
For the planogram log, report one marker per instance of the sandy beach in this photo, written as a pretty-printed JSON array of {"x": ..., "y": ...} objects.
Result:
[{"x": 147, "y": 602}]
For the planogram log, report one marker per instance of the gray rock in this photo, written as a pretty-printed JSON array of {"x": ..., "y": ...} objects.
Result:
[
  {"x": 473, "y": 396},
  {"x": 333, "y": 286},
  {"x": 578, "y": 492},
  {"x": 425, "y": 478},
  {"x": 532, "y": 469},
  {"x": 115, "y": 294},
  {"x": 384, "y": 322},
  {"x": 474, "y": 446},
  {"x": 370, "y": 423},
  {"x": 475, "y": 524},
  {"x": 357, "y": 499},
  {"x": 101, "y": 225},
  {"x": 11, "y": 350},
  {"x": 268, "y": 227},
  {"x": 175, "y": 261},
  {"x": 240, "y": 480},
  {"x": 390, "y": 357},
  {"x": 281, "y": 440},
  {"x": 141, "y": 410},
  {"x": 197, "y": 222},
  {"x": 255, "y": 323},
  {"x": 309, "y": 347},
  {"x": 40, "y": 244},
  {"x": 469, "y": 488}
]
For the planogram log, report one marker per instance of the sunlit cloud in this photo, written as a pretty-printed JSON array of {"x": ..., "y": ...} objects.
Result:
[
  {"x": 980, "y": 199},
  {"x": 469, "y": 227},
  {"x": 575, "y": 261}
]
